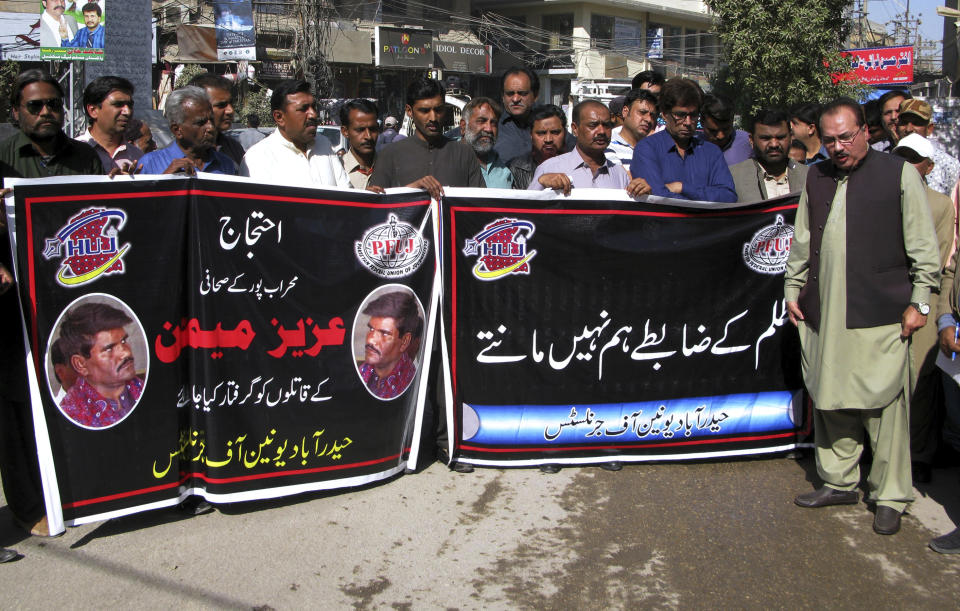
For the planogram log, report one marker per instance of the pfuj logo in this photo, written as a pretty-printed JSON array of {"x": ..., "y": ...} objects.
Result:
[
  {"x": 502, "y": 249},
  {"x": 392, "y": 250},
  {"x": 88, "y": 246},
  {"x": 769, "y": 249}
]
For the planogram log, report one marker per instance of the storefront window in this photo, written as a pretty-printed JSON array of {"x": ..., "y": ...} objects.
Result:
[
  {"x": 601, "y": 31},
  {"x": 560, "y": 27}
]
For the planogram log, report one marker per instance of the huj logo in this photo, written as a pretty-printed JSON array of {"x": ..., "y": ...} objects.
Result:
[{"x": 88, "y": 245}]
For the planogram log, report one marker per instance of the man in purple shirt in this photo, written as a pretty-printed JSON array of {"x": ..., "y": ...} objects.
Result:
[
  {"x": 586, "y": 166},
  {"x": 678, "y": 162},
  {"x": 393, "y": 334}
]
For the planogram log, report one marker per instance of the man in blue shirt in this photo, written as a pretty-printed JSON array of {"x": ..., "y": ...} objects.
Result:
[
  {"x": 90, "y": 37},
  {"x": 678, "y": 162},
  {"x": 194, "y": 148}
]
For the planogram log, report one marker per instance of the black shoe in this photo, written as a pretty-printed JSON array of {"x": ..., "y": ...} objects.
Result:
[
  {"x": 550, "y": 468},
  {"x": 825, "y": 495},
  {"x": 462, "y": 467},
  {"x": 945, "y": 544},
  {"x": 886, "y": 521},
  {"x": 611, "y": 466},
  {"x": 6, "y": 555},
  {"x": 195, "y": 506},
  {"x": 922, "y": 473}
]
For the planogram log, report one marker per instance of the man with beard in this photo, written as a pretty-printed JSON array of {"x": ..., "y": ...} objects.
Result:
[
  {"x": 394, "y": 327},
  {"x": 194, "y": 147},
  {"x": 862, "y": 264},
  {"x": 478, "y": 124},
  {"x": 38, "y": 150},
  {"x": 586, "y": 166},
  {"x": 771, "y": 172},
  {"x": 520, "y": 88},
  {"x": 358, "y": 124},
  {"x": 108, "y": 102},
  {"x": 90, "y": 37},
  {"x": 678, "y": 162},
  {"x": 94, "y": 340},
  {"x": 428, "y": 160},
  {"x": 294, "y": 153},
  {"x": 639, "y": 121},
  {"x": 220, "y": 92},
  {"x": 546, "y": 136}
]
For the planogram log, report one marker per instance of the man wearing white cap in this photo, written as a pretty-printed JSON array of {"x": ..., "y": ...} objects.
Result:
[
  {"x": 924, "y": 429},
  {"x": 389, "y": 133},
  {"x": 916, "y": 117}
]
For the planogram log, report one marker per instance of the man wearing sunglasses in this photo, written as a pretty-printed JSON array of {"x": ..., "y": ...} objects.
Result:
[
  {"x": 678, "y": 162},
  {"x": 862, "y": 264},
  {"x": 38, "y": 150}
]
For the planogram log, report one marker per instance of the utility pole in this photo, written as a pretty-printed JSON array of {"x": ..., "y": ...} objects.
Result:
[{"x": 313, "y": 44}]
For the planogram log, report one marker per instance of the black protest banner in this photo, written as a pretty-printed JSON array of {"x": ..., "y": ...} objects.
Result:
[
  {"x": 222, "y": 338},
  {"x": 587, "y": 331}
]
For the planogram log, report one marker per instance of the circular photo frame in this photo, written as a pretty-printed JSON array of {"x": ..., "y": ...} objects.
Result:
[
  {"x": 97, "y": 361},
  {"x": 387, "y": 340}
]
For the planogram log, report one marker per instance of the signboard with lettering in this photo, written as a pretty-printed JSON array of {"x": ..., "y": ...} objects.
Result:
[
  {"x": 279, "y": 70},
  {"x": 627, "y": 34},
  {"x": 461, "y": 57},
  {"x": 252, "y": 341},
  {"x": 236, "y": 37},
  {"x": 607, "y": 329},
  {"x": 880, "y": 65},
  {"x": 404, "y": 47}
]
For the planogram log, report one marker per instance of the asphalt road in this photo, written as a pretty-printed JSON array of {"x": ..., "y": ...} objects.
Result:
[{"x": 701, "y": 535}]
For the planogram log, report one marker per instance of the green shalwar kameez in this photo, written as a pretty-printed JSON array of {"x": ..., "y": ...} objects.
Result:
[{"x": 859, "y": 379}]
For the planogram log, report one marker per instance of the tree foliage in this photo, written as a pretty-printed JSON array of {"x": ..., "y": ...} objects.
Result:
[
  {"x": 783, "y": 53},
  {"x": 9, "y": 71},
  {"x": 256, "y": 103},
  {"x": 186, "y": 75}
]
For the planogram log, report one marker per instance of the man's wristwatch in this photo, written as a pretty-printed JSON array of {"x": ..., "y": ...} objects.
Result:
[{"x": 923, "y": 308}]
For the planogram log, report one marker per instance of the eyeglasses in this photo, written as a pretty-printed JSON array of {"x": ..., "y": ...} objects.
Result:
[
  {"x": 680, "y": 117},
  {"x": 35, "y": 106},
  {"x": 844, "y": 139}
]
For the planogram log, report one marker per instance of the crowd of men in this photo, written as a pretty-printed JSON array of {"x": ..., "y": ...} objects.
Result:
[{"x": 860, "y": 298}]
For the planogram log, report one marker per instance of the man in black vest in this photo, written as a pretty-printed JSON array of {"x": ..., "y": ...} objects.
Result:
[{"x": 862, "y": 264}]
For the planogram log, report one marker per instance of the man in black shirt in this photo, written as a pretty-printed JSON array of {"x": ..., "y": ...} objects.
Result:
[
  {"x": 38, "y": 150},
  {"x": 429, "y": 160}
]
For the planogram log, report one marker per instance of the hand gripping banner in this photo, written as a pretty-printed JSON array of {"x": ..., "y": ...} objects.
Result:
[
  {"x": 221, "y": 338},
  {"x": 590, "y": 330}
]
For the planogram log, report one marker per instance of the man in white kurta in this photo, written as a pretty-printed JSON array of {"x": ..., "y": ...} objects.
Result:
[
  {"x": 294, "y": 154},
  {"x": 859, "y": 378}
]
